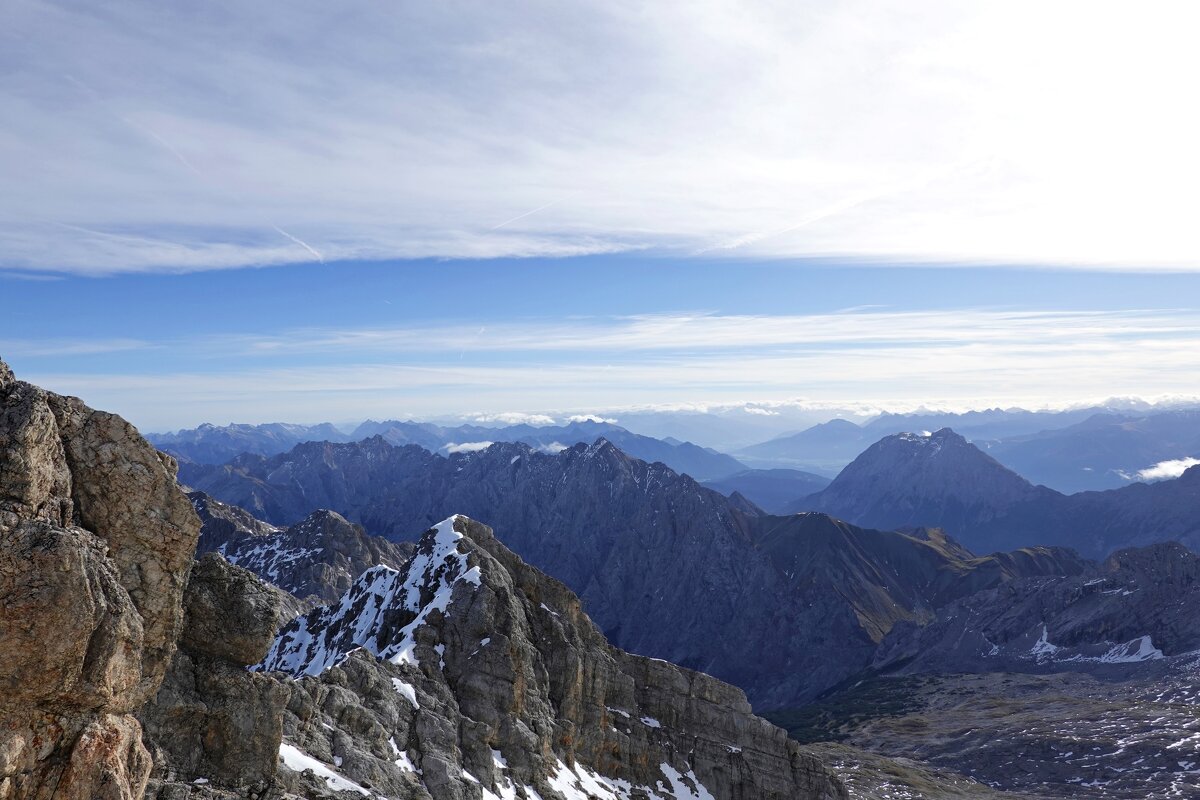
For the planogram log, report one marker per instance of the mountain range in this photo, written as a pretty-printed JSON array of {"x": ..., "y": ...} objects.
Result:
[
  {"x": 1070, "y": 451},
  {"x": 210, "y": 444},
  {"x": 1029, "y": 624},
  {"x": 665, "y": 566}
]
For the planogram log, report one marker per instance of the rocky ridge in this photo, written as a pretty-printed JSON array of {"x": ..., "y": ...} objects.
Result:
[{"x": 314, "y": 560}]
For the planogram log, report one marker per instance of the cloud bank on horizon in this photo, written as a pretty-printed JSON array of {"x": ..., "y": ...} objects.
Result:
[{"x": 147, "y": 137}]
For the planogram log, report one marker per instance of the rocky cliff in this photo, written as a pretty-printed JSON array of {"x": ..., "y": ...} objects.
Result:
[{"x": 96, "y": 544}]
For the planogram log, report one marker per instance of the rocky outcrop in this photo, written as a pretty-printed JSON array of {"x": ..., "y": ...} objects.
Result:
[
  {"x": 212, "y": 720},
  {"x": 96, "y": 543},
  {"x": 469, "y": 671}
]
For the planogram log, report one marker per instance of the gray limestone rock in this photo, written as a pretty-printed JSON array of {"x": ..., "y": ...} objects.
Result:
[{"x": 96, "y": 543}]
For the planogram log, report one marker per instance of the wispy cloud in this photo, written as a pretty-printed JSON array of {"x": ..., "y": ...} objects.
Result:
[
  {"x": 54, "y": 348},
  {"x": 773, "y": 130},
  {"x": 699, "y": 331}
]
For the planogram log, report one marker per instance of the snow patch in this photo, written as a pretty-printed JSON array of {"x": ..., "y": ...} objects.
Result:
[
  {"x": 297, "y": 760},
  {"x": 406, "y": 690}
]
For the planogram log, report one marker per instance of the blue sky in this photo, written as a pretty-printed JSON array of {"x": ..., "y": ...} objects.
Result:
[
  {"x": 591, "y": 334},
  {"x": 252, "y": 212}
]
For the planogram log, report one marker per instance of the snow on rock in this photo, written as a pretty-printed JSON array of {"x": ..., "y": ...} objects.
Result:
[
  {"x": 376, "y": 602},
  {"x": 271, "y": 557},
  {"x": 582, "y": 783},
  {"x": 407, "y": 691},
  {"x": 297, "y": 760},
  {"x": 1042, "y": 649},
  {"x": 1140, "y": 649}
]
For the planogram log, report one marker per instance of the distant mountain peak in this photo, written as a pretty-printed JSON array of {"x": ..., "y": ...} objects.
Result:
[{"x": 920, "y": 479}]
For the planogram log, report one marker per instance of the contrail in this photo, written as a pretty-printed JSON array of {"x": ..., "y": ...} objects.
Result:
[
  {"x": 301, "y": 242},
  {"x": 145, "y": 131},
  {"x": 142, "y": 129},
  {"x": 526, "y": 214}
]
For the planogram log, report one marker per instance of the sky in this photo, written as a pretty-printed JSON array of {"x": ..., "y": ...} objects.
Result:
[{"x": 255, "y": 212}]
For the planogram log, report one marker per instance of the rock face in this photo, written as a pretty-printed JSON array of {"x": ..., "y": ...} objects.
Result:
[
  {"x": 470, "y": 671},
  {"x": 665, "y": 567},
  {"x": 314, "y": 560},
  {"x": 96, "y": 543},
  {"x": 212, "y": 719}
]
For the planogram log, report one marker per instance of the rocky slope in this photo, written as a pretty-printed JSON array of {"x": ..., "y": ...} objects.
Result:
[
  {"x": 1037, "y": 736},
  {"x": 315, "y": 559},
  {"x": 1076, "y": 686},
  {"x": 942, "y": 480},
  {"x": 469, "y": 671},
  {"x": 96, "y": 543},
  {"x": 1142, "y": 605}
]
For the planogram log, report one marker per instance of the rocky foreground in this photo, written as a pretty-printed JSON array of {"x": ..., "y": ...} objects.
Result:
[{"x": 463, "y": 674}]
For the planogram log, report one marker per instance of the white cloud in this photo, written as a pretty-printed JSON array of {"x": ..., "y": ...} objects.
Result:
[
  {"x": 590, "y": 418},
  {"x": 1167, "y": 469},
  {"x": 140, "y": 136},
  {"x": 466, "y": 447}
]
